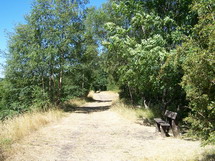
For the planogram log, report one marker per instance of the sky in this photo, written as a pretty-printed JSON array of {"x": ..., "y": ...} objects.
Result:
[{"x": 12, "y": 13}]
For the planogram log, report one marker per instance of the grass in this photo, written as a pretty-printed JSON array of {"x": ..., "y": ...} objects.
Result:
[
  {"x": 191, "y": 154},
  {"x": 195, "y": 153},
  {"x": 133, "y": 113},
  {"x": 207, "y": 155},
  {"x": 124, "y": 110},
  {"x": 90, "y": 95},
  {"x": 16, "y": 128}
]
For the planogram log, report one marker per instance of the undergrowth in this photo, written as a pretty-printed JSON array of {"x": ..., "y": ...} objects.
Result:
[
  {"x": 16, "y": 128},
  {"x": 134, "y": 113}
]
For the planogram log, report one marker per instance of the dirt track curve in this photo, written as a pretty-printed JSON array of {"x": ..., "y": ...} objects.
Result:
[{"x": 94, "y": 133}]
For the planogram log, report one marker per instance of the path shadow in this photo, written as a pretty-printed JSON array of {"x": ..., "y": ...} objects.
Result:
[
  {"x": 102, "y": 100},
  {"x": 91, "y": 109},
  {"x": 93, "y": 104},
  {"x": 88, "y": 108},
  {"x": 71, "y": 107},
  {"x": 208, "y": 157},
  {"x": 68, "y": 107}
]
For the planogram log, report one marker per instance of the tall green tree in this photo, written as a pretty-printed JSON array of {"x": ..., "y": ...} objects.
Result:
[
  {"x": 141, "y": 47},
  {"x": 51, "y": 56},
  {"x": 198, "y": 80}
]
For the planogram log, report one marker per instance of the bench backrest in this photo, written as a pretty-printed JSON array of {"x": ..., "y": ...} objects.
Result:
[{"x": 170, "y": 114}]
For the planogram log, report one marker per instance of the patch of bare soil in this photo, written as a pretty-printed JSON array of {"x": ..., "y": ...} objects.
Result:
[{"x": 94, "y": 133}]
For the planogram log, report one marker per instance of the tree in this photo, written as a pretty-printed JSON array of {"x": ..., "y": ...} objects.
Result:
[
  {"x": 50, "y": 55},
  {"x": 141, "y": 49},
  {"x": 198, "y": 81}
]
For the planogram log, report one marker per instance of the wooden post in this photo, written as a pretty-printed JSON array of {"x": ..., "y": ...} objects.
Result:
[
  {"x": 175, "y": 129},
  {"x": 164, "y": 131},
  {"x": 158, "y": 127}
]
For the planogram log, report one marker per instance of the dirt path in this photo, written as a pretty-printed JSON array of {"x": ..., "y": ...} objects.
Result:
[{"x": 94, "y": 133}]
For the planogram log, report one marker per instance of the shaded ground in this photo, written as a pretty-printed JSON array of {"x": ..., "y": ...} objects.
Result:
[{"x": 94, "y": 133}]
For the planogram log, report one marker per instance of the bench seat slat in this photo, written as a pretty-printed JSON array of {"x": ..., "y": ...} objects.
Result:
[
  {"x": 164, "y": 124},
  {"x": 158, "y": 120},
  {"x": 161, "y": 122}
]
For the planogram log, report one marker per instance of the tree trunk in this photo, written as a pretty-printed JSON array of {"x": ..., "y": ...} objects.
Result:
[
  {"x": 131, "y": 96},
  {"x": 83, "y": 84},
  {"x": 51, "y": 82},
  {"x": 60, "y": 81},
  {"x": 60, "y": 86}
]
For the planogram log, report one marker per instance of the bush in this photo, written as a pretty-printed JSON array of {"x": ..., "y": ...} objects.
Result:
[{"x": 199, "y": 73}]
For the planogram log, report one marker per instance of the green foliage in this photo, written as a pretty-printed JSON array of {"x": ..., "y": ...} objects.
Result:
[
  {"x": 51, "y": 59},
  {"x": 160, "y": 53},
  {"x": 40, "y": 98},
  {"x": 140, "y": 54},
  {"x": 199, "y": 72},
  {"x": 163, "y": 52}
]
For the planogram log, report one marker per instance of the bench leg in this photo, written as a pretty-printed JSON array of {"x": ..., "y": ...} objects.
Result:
[
  {"x": 175, "y": 129},
  {"x": 158, "y": 129},
  {"x": 164, "y": 131}
]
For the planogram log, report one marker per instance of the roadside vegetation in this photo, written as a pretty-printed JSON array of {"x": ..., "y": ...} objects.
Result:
[
  {"x": 13, "y": 129},
  {"x": 145, "y": 116},
  {"x": 135, "y": 113},
  {"x": 16, "y": 128},
  {"x": 159, "y": 54}
]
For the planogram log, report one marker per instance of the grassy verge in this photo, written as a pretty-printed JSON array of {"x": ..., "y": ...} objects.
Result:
[
  {"x": 199, "y": 154},
  {"x": 90, "y": 95},
  {"x": 16, "y": 128},
  {"x": 207, "y": 155},
  {"x": 134, "y": 113}
]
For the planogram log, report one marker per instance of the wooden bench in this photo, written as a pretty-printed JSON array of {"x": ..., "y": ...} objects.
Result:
[{"x": 164, "y": 126}]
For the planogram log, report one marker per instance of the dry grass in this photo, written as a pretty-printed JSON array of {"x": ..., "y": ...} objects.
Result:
[
  {"x": 131, "y": 112},
  {"x": 90, "y": 94},
  {"x": 172, "y": 152},
  {"x": 187, "y": 152},
  {"x": 207, "y": 155},
  {"x": 16, "y": 128},
  {"x": 76, "y": 102},
  {"x": 126, "y": 111}
]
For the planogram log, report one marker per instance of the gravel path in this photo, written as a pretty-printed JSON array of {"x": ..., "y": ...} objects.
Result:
[{"x": 94, "y": 133}]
